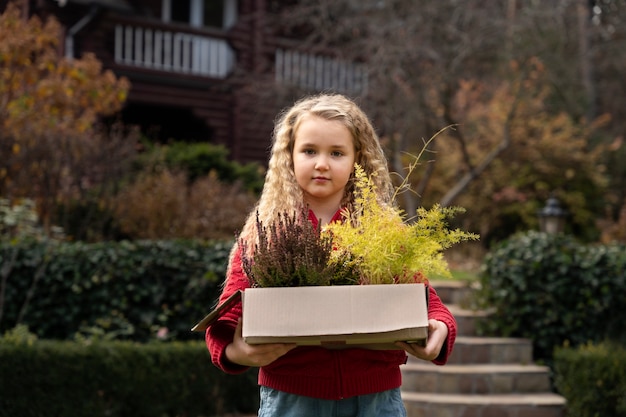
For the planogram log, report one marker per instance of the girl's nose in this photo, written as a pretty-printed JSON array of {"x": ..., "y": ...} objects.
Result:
[{"x": 321, "y": 163}]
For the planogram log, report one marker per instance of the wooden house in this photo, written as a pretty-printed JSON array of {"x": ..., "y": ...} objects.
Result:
[{"x": 200, "y": 70}]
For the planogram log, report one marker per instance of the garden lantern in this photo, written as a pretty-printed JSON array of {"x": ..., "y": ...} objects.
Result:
[{"x": 552, "y": 217}]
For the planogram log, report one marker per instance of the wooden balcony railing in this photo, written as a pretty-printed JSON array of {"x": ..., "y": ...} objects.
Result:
[
  {"x": 162, "y": 47},
  {"x": 319, "y": 73},
  {"x": 159, "y": 49}
]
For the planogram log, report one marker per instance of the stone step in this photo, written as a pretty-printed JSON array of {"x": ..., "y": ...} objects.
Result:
[
  {"x": 455, "y": 292},
  {"x": 475, "y": 379},
  {"x": 467, "y": 320},
  {"x": 484, "y": 377},
  {"x": 500, "y": 405},
  {"x": 479, "y": 350}
]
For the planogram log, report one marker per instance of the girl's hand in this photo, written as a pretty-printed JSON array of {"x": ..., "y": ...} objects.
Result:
[
  {"x": 437, "y": 335},
  {"x": 241, "y": 353}
]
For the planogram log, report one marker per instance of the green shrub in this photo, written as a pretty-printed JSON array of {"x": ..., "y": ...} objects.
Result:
[
  {"x": 593, "y": 379},
  {"x": 199, "y": 159},
  {"x": 551, "y": 289},
  {"x": 125, "y": 290},
  {"x": 118, "y": 379}
]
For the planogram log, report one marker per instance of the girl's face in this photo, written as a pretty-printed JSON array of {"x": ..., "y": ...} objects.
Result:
[{"x": 323, "y": 159}]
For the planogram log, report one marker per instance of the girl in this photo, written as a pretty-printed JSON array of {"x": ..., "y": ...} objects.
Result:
[{"x": 315, "y": 146}]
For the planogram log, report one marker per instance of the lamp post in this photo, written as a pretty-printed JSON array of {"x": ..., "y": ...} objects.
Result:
[{"x": 552, "y": 217}]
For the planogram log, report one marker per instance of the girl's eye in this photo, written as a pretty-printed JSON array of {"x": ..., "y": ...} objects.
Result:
[
  {"x": 309, "y": 151},
  {"x": 337, "y": 153}
]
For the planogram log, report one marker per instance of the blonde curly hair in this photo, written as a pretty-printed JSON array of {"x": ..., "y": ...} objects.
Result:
[{"x": 281, "y": 193}]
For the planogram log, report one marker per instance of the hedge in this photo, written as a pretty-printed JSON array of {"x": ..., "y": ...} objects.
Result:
[
  {"x": 119, "y": 379},
  {"x": 593, "y": 379},
  {"x": 123, "y": 290},
  {"x": 553, "y": 290}
]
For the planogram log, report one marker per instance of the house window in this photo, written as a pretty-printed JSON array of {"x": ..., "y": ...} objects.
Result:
[
  {"x": 201, "y": 13},
  {"x": 181, "y": 12}
]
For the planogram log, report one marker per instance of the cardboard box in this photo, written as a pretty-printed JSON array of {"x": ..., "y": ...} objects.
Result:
[{"x": 371, "y": 316}]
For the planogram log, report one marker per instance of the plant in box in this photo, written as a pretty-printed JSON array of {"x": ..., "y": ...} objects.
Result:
[
  {"x": 293, "y": 253},
  {"x": 374, "y": 245}
]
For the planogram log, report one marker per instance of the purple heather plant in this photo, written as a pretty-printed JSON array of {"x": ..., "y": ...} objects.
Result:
[{"x": 292, "y": 252}]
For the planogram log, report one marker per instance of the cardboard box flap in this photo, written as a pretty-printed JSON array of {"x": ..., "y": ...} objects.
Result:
[
  {"x": 210, "y": 318},
  {"x": 325, "y": 312}
]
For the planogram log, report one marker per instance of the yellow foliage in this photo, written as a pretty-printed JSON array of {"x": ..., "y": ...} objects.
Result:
[
  {"x": 386, "y": 247},
  {"x": 543, "y": 151},
  {"x": 41, "y": 91}
]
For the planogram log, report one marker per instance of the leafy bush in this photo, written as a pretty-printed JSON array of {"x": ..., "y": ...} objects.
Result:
[
  {"x": 126, "y": 290},
  {"x": 593, "y": 379},
  {"x": 164, "y": 205},
  {"x": 118, "y": 379},
  {"x": 551, "y": 289},
  {"x": 200, "y": 159}
]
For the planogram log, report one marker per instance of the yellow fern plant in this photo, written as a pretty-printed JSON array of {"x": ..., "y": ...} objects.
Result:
[{"x": 386, "y": 248}]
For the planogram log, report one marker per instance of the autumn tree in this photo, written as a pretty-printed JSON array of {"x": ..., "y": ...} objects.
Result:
[
  {"x": 512, "y": 129},
  {"x": 416, "y": 52},
  {"x": 52, "y": 147},
  {"x": 519, "y": 153}
]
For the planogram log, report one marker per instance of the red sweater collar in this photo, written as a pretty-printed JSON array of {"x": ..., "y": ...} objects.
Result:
[{"x": 337, "y": 217}]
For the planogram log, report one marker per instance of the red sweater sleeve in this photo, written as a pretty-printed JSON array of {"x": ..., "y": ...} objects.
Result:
[
  {"x": 438, "y": 311},
  {"x": 221, "y": 333}
]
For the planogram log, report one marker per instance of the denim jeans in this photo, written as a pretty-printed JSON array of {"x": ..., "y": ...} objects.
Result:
[{"x": 276, "y": 403}]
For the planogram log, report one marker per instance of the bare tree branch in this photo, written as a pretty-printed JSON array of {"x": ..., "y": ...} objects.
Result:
[{"x": 475, "y": 172}]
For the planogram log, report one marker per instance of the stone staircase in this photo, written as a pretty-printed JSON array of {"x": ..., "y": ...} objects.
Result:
[{"x": 484, "y": 377}]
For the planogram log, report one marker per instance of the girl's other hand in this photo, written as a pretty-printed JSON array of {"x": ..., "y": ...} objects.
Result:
[
  {"x": 241, "y": 353},
  {"x": 437, "y": 335}
]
